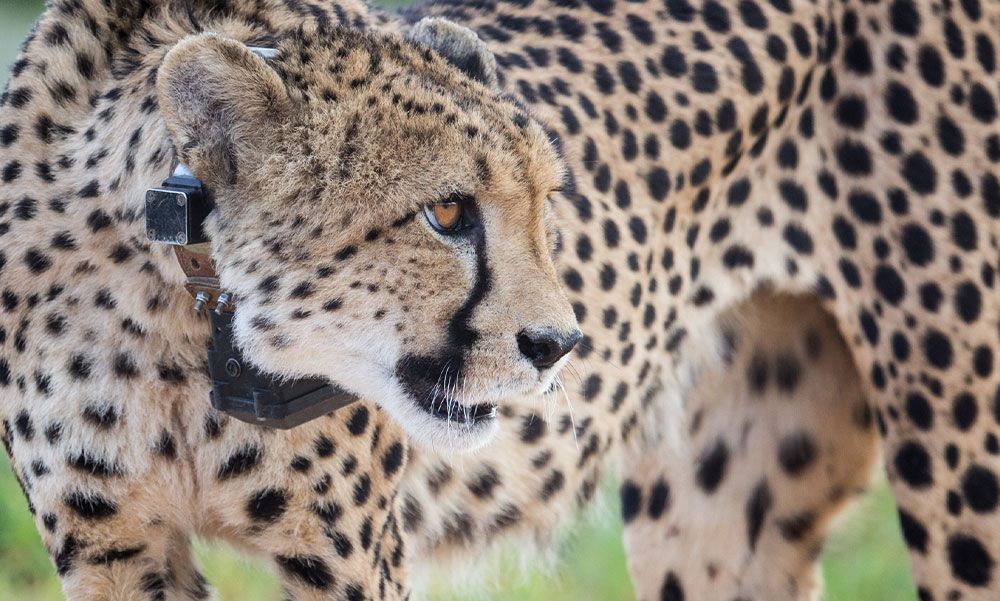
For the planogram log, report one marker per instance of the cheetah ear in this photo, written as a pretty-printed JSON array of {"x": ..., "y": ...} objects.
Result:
[
  {"x": 459, "y": 45},
  {"x": 220, "y": 102}
]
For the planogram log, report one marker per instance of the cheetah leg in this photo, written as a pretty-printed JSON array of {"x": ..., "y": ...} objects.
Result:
[
  {"x": 112, "y": 534},
  {"x": 940, "y": 418},
  {"x": 149, "y": 565},
  {"x": 780, "y": 438},
  {"x": 317, "y": 500}
]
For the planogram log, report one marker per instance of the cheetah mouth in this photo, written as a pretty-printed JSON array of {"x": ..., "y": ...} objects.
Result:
[
  {"x": 426, "y": 381},
  {"x": 459, "y": 413}
]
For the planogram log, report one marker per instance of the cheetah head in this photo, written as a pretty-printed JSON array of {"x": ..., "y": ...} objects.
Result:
[{"x": 382, "y": 217}]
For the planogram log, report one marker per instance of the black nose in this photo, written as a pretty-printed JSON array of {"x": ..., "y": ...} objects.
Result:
[{"x": 544, "y": 347}]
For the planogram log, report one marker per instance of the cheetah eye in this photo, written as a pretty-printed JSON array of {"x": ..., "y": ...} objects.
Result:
[{"x": 450, "y": 216}]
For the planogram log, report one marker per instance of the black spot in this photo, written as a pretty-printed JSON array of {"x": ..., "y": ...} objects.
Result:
[
  {"x": 90, "y": 506},
  {"x": 241, "y": 462},
  {"x": 919, "y": 410},
  {"x": 393, "y": 459},
  {"x": 114, "y": 555},
  {"x": 711, "y": 467},
  {"x": 309, "y": 569},
  {"x": 914, "y": 533},
  {"x": 900, "y": 103},
  {"x": 484, "y": 483},
  {"x": 166, "y": 446},
  {"x": 553, "y": 484},
  {"x": 66, "y": 554},
  {"x": 302, "y": 290},
  {"x": 655, "y": 108},
  {"x": 658, "y": 182},
  {"x": 97, "y": 466},
  {"x": 757, "y": 508},
  {"x": 798, "y": 239},
  {"x": 37, "y": 261},
  {"x": 852, "y": 112},
  {"x": 532, "y": 429},
  {"x": 680, "y": 10},
  {"x": 659, "y": 499},
  {"x": 757, "y": 373},
  {"x": 796, "y": 452},
  {"x": 301, "y": 464},
  {"x": 889, "y": 284},
  {"x": 787, "y": 372},
  {"x": 854, "y": 158},
  {"x": 857, "y": 56},
  {"x": 98, "y": 220},
  {"x": 738, "y": 256},
  {"x": 631, "y": 500},
  {"x": 968, "y": 302},
  {"x": 671, "y": 589},
  {"x": 917, "y": 244},
  {"x": 267, "y": 505},
  {"x": 358, "y": 422},
  {"x": 964, "y": 411},
  {"x": 341, "y": 543},
  {"x": 981, "y": 103},
  {"x": 9, "y": 134},
  {"x": 11, "y": 171},
  {"x": 362, "y": 489},
  {"x": 673, "y": 61},
  {"x": 865, "y": 206},
  {"x": 125, "y": 367},
  {"x": 25, "y": 427},
  {"x": 937, "y": 349},
  {"x": 919, "y": 173},
  {"x": 591, "y": 387},
  {"x": 904, "y": 17},
  {"x": 753, "y": 17},
  {"x": 794, "y": 195},
  {"x": 982, "y": 361},
  {"x": 796, "y": 527},
  {"x": 930, "y": 297},
  {"x": 913, "y": 465},
  {"x": 990, "y": 192},
  {"x": 716, "y": 16},
  {"x": 704, "y": 78},
  {"x": 981, "y": 489},
  {"x": 970, "y": 560}
]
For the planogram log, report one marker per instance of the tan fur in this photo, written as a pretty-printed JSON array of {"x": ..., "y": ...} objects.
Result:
[{"x": 723, "y": 186}]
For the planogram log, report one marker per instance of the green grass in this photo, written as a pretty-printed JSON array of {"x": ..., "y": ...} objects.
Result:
[{"x": 865, "y": 560}]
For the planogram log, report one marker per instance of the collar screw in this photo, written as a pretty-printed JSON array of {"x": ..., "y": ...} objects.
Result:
[
  {"x": 200, "y": 300},
  {"x": 224, "y": 303}
]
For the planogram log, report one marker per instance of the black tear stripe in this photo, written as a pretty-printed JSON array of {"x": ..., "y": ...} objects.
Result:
[{"x": 420, "y": 374}]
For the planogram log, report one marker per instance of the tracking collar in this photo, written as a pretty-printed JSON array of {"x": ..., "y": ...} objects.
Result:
[{"x": 175, "y": 215}]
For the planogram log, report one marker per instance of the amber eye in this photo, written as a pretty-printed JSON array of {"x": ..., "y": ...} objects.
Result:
[{"x": 449, "y": 216}]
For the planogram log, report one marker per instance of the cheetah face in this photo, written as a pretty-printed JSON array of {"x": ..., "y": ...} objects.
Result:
[{"x": 381, "y": 217}]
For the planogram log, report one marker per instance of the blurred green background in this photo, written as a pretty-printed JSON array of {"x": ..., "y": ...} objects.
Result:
[{"x": 865, "y": 560}]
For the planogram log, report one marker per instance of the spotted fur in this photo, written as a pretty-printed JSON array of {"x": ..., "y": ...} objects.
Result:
[{"x": 776, "y": 224}]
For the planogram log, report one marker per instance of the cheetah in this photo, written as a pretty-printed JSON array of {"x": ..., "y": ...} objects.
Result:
[{"x": 775, "y": 225}]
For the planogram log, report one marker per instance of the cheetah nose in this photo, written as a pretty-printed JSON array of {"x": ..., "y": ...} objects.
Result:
[{"x": 545, "y": 347}]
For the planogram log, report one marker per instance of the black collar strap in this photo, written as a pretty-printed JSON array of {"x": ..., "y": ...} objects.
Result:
[{"x": 175, "y": 215}]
